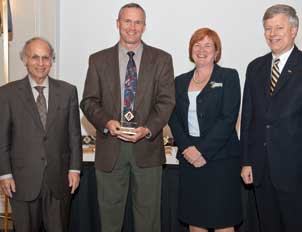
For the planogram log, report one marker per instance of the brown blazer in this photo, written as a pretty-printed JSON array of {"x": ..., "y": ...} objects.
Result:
[
  {"x": 154, "y": 102},
  {"x": 26, "y": 148}
]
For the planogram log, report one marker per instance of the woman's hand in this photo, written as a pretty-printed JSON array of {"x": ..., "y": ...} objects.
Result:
[
  {"x": 194, "y": 157},
  {"x": 200, "y": 162}
]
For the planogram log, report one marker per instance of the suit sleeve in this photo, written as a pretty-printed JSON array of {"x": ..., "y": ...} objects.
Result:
[
  {"x": 75, "y": 139},
  {"x": 92, "y": 102},
  {"x": 219, "y": 134},
  {"x": 181, "y": 138},
  {"x": 246, "y": 117},
  {"x": 5, "y": 134},
  {"x": 164, "y": 98}
]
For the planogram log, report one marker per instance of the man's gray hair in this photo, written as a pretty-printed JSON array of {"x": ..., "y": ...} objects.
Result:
[
  {"x": 28, "y": 42},
  {"x": 287, "y": 10},
  {"x": 132, "y": 5}
]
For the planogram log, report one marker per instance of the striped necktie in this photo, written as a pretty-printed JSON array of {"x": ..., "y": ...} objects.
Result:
[
  {"x": 41, "y": 105},
  {"x": 275, "y": 75}
]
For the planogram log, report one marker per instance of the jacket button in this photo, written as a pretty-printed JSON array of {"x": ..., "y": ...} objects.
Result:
[
  {"x": 264, "y": 144},
  {"x": 268, "y": 126},
  {"x": 44, "y": 138}
]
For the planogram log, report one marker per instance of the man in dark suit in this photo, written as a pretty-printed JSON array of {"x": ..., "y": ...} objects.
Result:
[
  {"x": 40, "y": 143},
  {"x": 136, "y": 157},
  {"x": 271, "y": 128}
]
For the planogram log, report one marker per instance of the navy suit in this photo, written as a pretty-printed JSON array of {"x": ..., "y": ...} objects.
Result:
[
  {"x": 271, "y": 133},
  {"x": 209, "y": 196},
  {"x": 217, "y": 112},
  {"x": 272, "y": 125}
]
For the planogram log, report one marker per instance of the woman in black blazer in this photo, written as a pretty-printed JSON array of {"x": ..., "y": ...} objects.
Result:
[{"x": 203, "y": 125}]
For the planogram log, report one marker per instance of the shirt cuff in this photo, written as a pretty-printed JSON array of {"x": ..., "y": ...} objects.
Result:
[
  {"x": 76, "y": 171},
  {"x": 105, "y": 131},
  {"x": 6, "y": 176},
  {"x": 149, "y": 135}
]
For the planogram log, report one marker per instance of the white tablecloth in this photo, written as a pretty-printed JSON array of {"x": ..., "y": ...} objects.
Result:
[{"x": 89, "y": 154}]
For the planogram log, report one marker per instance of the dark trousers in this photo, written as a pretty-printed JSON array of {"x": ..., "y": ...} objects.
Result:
[
  {"x": 145, "y": 191},
  {"x": 46, "y": 213},
  {"x": 278, "y": 211}
]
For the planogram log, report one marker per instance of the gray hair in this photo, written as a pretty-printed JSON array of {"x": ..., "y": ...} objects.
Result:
[
  {"x": 132, "y": 5},
  {"x": 28, "y": 42},
  {"x": 287, "y": 10}
]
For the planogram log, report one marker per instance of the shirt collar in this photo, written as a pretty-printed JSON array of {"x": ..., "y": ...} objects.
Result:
[
  {"x": 283, "y": 58},
  {"x": 33, "y": 83},
  {"x": 136, "y": 51}
]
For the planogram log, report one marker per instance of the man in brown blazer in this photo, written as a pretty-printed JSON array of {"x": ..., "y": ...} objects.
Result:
[
  {"x": 137, "y": 157},
  {"x": 40, "y": 143}
]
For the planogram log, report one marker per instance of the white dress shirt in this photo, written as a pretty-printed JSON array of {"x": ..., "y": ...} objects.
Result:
[{"x": 283, "y": 59}]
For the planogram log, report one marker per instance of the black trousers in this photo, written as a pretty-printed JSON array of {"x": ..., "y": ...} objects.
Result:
[
  {"x": 278, "y": 211},
  {"x": 46, "y": 213}
]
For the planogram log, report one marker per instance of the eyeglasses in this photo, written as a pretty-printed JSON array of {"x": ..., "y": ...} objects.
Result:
[
  {"x": 42, "y": 59},
  {"x": 129, "y": 22}
]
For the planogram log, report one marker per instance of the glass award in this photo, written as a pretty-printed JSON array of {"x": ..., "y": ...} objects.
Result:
[{"x": 128, "y": 123}]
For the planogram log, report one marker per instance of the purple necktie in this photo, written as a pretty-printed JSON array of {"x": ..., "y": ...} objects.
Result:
[{"x": 130, "y": 84}]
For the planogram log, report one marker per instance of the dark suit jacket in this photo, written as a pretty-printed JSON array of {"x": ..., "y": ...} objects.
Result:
[
  {"x": 25, "y": 147},
  {"x": 154, "y": 102},
  {"x": 217, "y": 111},
  {"x": 271, "y": 129}
]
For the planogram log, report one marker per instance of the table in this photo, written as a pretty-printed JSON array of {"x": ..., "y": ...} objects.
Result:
[
  {"x": 169, "y": 201},
  {"x": 85, "y": 215}
]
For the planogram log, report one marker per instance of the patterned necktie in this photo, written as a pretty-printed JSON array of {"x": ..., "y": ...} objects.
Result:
[
  {"x": 41, "y": 105},
  {"x": 275, "y": 75},
  {"x": 130, "y": 87}
]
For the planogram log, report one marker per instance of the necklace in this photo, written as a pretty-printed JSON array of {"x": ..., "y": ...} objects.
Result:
[{"x": 196, "y": 81}]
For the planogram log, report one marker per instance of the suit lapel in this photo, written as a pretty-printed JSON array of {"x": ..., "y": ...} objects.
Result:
[
  {"x": 26, "y": 96},
  {"x": 266, "y": 74},
  {"x": 53, "y": 102},
  {"x": 287, "y": 71},
  {"x": 144, "y": 76},
  {"x": 113, "y": 73},
  {"x": 215, "y": 77},
  {"x": 183, "y": 99}
]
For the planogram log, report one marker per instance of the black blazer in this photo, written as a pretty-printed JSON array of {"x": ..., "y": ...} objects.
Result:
[
  {"x": 25, "y": 146},
  {"x": 271, "y": 130},
  {"x": 217, "y": 108}
]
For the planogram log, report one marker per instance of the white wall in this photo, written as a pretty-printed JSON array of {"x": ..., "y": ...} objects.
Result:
[
  {"x": 89, "y": 26},
  {"x": 30, "y": 18}
]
